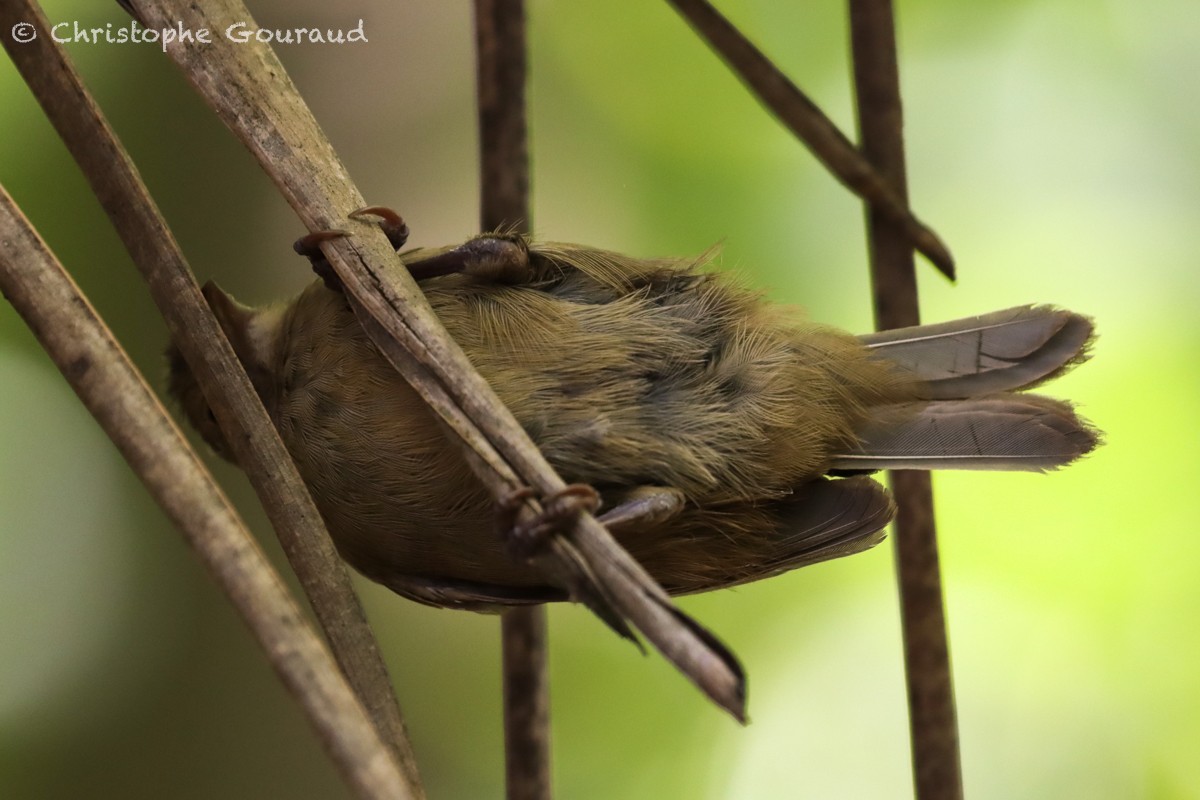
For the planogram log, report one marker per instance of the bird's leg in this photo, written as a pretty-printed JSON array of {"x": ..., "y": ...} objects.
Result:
[
  {"x": 644, "y": 506},
  {"x": 496, "y": 257},
  {"x": 493, "y": 257}
]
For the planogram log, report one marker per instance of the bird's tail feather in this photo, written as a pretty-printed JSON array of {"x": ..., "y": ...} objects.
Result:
[
  {"x": 998, "y": 432},
  {"x": 1003, "y": 351}
]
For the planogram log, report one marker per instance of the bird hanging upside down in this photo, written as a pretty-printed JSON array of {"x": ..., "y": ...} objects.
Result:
[{"x": 729, "y": 439}]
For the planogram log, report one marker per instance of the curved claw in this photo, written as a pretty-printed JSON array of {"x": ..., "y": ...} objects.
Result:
[
  {"x": 309, "y": 245},
  {"x": 392, "y": 224},
  {"x": 383, "y": 212}
]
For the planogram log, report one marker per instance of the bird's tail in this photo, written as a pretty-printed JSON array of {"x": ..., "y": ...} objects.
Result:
[{"x": 973, "y": 417}]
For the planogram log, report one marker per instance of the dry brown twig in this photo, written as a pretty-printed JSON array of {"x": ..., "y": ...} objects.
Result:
[
  {"x": 934, "y": 729},
  {"x": 250, "y": 91},
  {"x": 114, "y": 179},
  {"x": 804, "y": 119},
  {"x": 116, "y": 394}
]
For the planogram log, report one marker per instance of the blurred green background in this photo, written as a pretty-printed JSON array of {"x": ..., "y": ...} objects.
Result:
[{"x": 1052, "y": 144}]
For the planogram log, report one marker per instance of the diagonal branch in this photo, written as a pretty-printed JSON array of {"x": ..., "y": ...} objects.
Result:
[
  {"x": 936, "y": 768},
  {"x": 504, "y": 202},
  {"x": 806, "y": 120},
  {"x": 250, "y": 91},
  {"x": 117, "y": 185},
  {"x": 117, "y": 396}
]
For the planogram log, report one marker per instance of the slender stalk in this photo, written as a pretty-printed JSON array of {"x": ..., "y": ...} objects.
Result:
[
  {"x": 526, "y": 705},
  {"x": 503, "y": 131},
  {"x": 247, "y": 87},
  {"x": 934, "y": 728},
  {"x": 811, "y": 125},
  {"x": 117, "y": 396},
  {"x": 504, "y": 202},
  {"x": 60, "y": 91}
]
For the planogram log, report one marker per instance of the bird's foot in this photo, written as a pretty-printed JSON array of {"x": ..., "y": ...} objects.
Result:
[
  {"x": 309, "y": 246},
  {"x": 527, "y": 538}
]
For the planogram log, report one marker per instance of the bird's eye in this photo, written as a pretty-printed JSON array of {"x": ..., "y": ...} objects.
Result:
[{"x": 211, "y": 416}]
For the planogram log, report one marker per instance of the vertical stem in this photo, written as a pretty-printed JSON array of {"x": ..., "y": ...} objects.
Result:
[
  {"x": 934, "y": 728},
  {"x": 503, "y": 135},
  {"x": 504, "y": 201},
  {"x": 526, "y": 704}
]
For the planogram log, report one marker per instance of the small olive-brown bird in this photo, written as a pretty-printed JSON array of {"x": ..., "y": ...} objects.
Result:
[{"x": 649, "y": 380}]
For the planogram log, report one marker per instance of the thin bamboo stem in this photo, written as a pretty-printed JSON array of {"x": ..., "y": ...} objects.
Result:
[
  {"x": 934, "y": 728},
  {"x": 504, "y": 202},
  {"x": 116, "y": 394}
]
